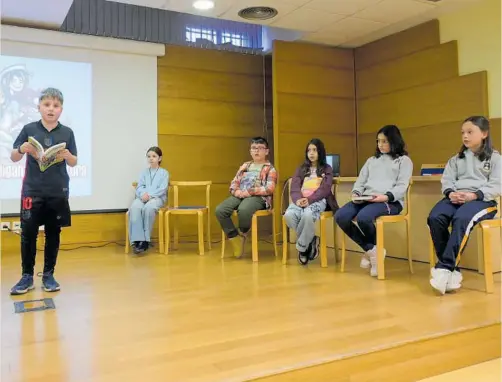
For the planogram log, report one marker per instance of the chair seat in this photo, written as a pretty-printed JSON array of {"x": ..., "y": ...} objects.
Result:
[
  {"x": 259, "y": 213},
  {"x": 185, "y": 210},
  {"x": 392, "y": 218}
]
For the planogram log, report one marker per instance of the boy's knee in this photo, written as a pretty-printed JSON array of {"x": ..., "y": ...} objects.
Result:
[{"x": 221, "y": 211}]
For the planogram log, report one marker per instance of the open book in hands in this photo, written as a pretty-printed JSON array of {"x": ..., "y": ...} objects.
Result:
[{"x": 46, "y": 158}]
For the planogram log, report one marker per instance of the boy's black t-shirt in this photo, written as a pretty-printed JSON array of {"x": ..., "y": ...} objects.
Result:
[{"x": 54, "y": 181}]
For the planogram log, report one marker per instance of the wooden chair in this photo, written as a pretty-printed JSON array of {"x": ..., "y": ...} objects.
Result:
[
  {"x": 404, "y": 216},
  {"x": 254, "y": 233},
  {"x": 484, "y": 237},
  {"x": 161, "y": 227},
  {"x": 321, "y": 230},
  {"x": 189, "y": 210}
]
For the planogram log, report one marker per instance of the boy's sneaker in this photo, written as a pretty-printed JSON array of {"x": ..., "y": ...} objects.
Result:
[
  {"x": 49, "y": 283},
  {"x": 238, "y": 243},
  {"x": 440, "y": 279},
  {"x": 455, "y": 282},
  {"x": 23, "y": 285}
]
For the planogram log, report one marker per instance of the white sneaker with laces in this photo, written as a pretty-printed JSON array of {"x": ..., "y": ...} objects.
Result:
[
  {"x": 440, "y": 279},
  {"x": 373, "y": 260},
  {"x": 365, "y": 261},
  {"x": 455, "y": 282}
]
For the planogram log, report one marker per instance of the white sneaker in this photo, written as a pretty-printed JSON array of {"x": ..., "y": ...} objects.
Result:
[
  {"x": 440, "y": 279},
  {"x": 365, "y": 261},
  {"x": 373, "y": 260},
  {"x": 455, "y": 282}
]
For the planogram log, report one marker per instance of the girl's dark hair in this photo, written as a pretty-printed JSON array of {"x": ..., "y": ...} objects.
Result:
[
  {"x": 321, "y": 158},
  {"x": 157, "y": 151},
  {"x": 396, "y": 141},
  {"x": 486, "y": 147}
]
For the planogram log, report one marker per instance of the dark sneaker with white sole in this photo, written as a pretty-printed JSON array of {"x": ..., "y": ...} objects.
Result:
[
  {"x": 315, "y": 248},
  {"x": 49, "y": 283},
  {"x": 23, "y": 285}
]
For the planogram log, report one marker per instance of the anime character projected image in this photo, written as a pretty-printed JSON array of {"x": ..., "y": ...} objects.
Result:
[{"x": 18, "y": 106}]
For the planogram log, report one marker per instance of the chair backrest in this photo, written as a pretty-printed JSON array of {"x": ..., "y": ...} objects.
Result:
[
  {"x": 407, "y": 200},
  {"x": 176, "y": 185}
]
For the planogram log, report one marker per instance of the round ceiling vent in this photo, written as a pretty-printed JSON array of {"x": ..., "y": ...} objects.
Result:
[{"x": 258, "y": 13}]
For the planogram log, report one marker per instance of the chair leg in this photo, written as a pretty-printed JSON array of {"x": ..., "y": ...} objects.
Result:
[
  {"x": 223, "y": 239},
  {"x": 161, "y": 231},
  {"x": 254, "y": 238},
  {"x": 208, "y": 230},
  {"x": 432, "y": 252},
  {"x": 342, "y": 268},
  {"x": 127, "y": 245},
  {"x": 200, "y": 231},
  {"x": 380, "y": 259},
  {"x": 176, "y": 234},
  {"x": 274, "y": 233},
  {"x": 335, "y": 243},
  {"x": 167, "y": 236},
  {"x": 487, "y": 257},
  {"x": 408, "y": 244},
  {"x": 324, "y": 254},
  {"x": 285, "y": 243}
]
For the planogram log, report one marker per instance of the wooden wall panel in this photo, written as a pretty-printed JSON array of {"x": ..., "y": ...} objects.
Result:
[
  {"x": 209, "y": 85},
  {"x": 210, "y": 104},
  {"x": 209, "y": 118},
  {"x": 316, "y": 55},
  {"x": 211, "y": 60},
  {"x": 496, "y": 133},
  {"x": 314, "y": 97},
  {"x": 422, "y": 36},
  {"x": 310, "y": 80},
  {"x": 291, "y": 148},
  {"x": 426, "y": 66},
  {"x": 440, "y": 102},
  {"x": 86, "y": 230},
  {"x": 325, "y": 115},
  {"x": 425, "y": 144}
]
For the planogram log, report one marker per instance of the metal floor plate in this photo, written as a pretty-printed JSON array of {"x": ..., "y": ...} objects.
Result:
[{"x": 34, "y": 305}]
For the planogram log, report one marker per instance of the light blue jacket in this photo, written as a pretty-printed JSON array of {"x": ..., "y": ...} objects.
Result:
[{"x": 154, "y": 182}]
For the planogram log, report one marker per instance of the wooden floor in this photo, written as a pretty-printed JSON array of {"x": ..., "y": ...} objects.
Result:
[
  {"x": 487, "y": 372},
  {"x": 192, "y": 318}
]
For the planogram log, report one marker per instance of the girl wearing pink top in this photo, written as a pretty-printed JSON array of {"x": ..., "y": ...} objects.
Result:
[{"x": 311, "y": 194}]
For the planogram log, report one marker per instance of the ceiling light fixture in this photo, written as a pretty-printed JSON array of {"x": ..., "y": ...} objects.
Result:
[{"x": 203, "y": 5}]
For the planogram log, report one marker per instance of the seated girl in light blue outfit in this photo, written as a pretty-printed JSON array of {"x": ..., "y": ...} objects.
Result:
[{"x": 151, "y": 195}]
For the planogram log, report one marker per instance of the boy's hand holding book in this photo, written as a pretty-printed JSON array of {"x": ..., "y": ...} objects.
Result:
[
  {"x": 27, "y": 148},
  {"x": 63, "y": 155}
]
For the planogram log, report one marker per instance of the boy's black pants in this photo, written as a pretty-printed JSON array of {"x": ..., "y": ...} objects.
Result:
[{"x": 51, "y": 212}]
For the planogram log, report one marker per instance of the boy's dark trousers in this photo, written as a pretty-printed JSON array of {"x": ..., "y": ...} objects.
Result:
[
  {"x": 245, "y": 210},
  {"x": 51, "y": 212},
  {"x": 463, "y": 218}
]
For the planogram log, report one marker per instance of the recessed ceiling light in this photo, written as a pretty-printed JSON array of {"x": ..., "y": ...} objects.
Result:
[{"x": 203, "y": 5}]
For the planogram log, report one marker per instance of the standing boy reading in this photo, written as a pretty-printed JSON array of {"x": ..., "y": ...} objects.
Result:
[
  {"x": 251, "y": 190},
  {"x": 45, "y": 191}
]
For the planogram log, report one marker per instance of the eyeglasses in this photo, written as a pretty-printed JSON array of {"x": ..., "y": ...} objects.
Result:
[{"x": 259, "y": 148}]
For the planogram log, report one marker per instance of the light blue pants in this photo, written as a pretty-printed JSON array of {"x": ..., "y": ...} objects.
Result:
[
  {"x": 302, "y": 220},
  {"x": 142, "y": 218}
]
